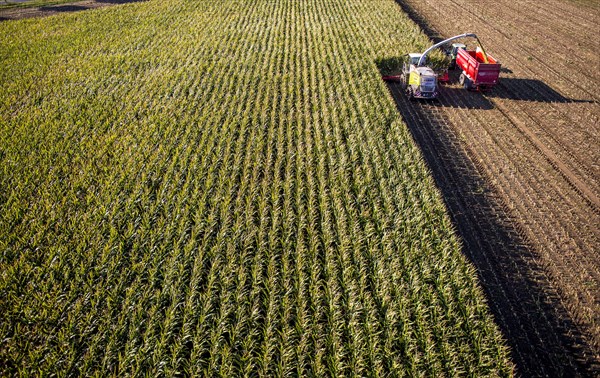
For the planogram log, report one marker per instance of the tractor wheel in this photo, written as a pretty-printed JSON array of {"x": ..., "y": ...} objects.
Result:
[{"x": 409, "y": 93}]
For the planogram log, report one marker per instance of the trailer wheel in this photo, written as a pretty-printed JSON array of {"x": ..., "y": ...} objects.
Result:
[
  {"x": 465, "y": 81},
  {"x": 409, "y": 93},
  {"x": 468, "y": 84}
]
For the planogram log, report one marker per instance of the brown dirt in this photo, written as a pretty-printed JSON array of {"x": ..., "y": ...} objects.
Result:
[
  {"x": 518, "y": 168},
  {"x": 44, "y": 11}
]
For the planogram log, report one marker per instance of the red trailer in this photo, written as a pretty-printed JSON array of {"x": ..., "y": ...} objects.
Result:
[{"x": 480, "y": 70}]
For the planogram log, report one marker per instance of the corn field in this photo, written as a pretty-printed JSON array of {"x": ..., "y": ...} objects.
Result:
[{"x": 224, "y": 188}]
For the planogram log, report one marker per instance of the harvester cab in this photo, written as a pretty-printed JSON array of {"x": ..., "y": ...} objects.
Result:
[{"x": 418, "y": 81}]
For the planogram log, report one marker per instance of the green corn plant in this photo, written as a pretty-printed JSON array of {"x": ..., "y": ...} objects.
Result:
[{"x": 225, "y": 188}]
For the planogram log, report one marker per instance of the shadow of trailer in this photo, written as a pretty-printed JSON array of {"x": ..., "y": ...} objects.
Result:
[{"x": 521, "y": 89}]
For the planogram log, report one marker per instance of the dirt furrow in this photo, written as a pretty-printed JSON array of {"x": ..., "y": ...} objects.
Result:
[
  {"x": 526, "y": 14},
  {"x": 525, "y": 128},
  {"x": 525, "y": 45}
]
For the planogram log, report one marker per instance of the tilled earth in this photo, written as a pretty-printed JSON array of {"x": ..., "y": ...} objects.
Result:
[{"x": 519, "y": 170}]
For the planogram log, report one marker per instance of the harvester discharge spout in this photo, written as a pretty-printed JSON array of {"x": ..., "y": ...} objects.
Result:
[{"x": 426, "y": 52}]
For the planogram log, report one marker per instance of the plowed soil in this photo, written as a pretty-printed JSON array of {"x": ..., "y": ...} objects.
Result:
[{"x": 519, "y": 170}]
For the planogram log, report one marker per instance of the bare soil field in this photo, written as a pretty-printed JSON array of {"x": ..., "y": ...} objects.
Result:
[{"x": 519, "y": 170}]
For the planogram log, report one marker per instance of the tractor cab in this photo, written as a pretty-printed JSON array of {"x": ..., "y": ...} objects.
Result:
[
  {"x": 452, "y": 52},
  {"x": 420, "y": 82}
]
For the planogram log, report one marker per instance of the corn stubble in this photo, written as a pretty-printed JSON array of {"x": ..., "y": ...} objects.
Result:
[{"x": 224, "y": 188}]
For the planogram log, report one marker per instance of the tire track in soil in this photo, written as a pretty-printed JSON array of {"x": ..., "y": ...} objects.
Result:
[{"x": 522, "y": 192}]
